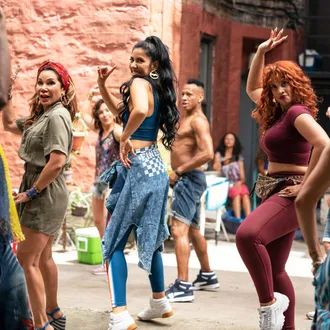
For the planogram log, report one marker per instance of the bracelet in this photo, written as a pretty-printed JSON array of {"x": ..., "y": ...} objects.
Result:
[{"x": 32, "y": 193}]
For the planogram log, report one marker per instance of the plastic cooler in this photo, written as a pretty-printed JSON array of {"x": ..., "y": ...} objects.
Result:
[{"x": 88, "y": 244}]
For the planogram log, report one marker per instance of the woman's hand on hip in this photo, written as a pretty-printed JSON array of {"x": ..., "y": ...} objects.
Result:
[
  {"x": 21, "y": 198},
  {"x": 273, "y": 41},
  {"x": 104, "y": 72},
  {"x": 125, "y": 148},
  {"x": 291, "y": 191}
]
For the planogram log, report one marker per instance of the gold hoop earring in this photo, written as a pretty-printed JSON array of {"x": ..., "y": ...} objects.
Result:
[{"x": 154, "y": 75}]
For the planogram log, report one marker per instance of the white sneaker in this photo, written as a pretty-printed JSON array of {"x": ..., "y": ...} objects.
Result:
[
  {"x": 271, "y": 317},
  {"x": 121, "y": 321},
  {"x": 158, "y": 308}
]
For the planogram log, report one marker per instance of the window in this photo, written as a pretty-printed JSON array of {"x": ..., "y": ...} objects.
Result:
[{"x": 205, "y": 71}]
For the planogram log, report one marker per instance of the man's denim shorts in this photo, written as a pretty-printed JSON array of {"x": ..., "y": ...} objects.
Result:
[{"x": 186, "y": 201}]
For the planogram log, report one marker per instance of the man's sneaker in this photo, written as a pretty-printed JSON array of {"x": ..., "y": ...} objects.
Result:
[
  {"x": 206, "y": 281},
  {"x": 121, "y": 321},
  {"x": 271, "y": 317},
  {"x": 180, "y": 292},
  {"x": 158, "y": 308}
]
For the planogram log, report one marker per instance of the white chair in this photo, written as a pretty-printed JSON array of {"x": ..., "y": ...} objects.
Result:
[{"x": 213, "y": 203}]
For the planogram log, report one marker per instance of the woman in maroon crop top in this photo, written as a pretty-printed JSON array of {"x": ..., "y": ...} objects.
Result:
[{"x": 286, "y": 108}]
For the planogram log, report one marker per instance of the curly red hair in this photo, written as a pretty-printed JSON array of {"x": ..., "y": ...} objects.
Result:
[{"x": 267, "y": 111}]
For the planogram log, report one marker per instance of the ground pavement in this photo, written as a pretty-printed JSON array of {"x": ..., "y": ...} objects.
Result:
[{"x": 85, "y": 300}]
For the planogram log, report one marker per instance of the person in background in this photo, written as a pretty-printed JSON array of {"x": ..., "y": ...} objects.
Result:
[
  {"x": 310, "y": 193},
  {"x": 101, "y": 120},
  {"x": 326, "y": 234},
  {"x": 285, "y": 112},
  {"x": 15, "y": 312},
  {"x": 192, "y": 148},
  {"x": 229, "y": 162},
  {"x": 261, "y": 162},
  {"x": 139, "y": 182},
  {"x": 43, "y": 197}
]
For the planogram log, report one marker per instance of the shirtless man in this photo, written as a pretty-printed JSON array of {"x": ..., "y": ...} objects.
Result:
[{"x": 192, "y": 148}]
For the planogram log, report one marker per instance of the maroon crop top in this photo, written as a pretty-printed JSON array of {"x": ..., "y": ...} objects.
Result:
[{"x": 283, "y": 143}]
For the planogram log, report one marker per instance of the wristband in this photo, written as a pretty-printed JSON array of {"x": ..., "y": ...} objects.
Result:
[{"x": 32, "y": 193}]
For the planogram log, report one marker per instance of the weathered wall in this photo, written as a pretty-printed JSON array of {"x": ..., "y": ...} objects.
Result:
[
  {"x": 81, "y": 34},
  {"x": 230, "y": 57}
]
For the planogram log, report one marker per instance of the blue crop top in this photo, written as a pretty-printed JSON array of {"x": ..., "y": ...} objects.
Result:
[{"x": 148, "y": 130}]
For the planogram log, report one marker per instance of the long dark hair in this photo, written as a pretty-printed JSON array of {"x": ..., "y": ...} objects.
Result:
[
  {"x": 168, "y": 114},
  {"x": 237, "y": 149},
  {"x": 95, "y": 114}
]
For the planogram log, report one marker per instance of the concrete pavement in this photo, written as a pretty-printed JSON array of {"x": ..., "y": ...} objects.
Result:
[{"x": 84, "y": 297}]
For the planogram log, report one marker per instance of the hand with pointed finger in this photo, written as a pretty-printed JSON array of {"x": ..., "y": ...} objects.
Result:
[
  {"x": 276, "y": 38},
  {"x": 104, "y": 72},
  {"x": 291, "y": 191}
]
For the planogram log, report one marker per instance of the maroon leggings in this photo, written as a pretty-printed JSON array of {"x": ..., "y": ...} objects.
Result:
[{"x": 264, "y": 240}]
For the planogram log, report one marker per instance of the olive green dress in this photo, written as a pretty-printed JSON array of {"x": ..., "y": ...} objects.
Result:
[{"x": 51, "y": 132}]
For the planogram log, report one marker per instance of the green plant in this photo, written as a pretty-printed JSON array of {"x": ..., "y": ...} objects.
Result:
[{"x": 79, "y": 199}]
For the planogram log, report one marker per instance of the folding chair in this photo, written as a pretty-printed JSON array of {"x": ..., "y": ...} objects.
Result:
[{"x": 214, "y": 199}]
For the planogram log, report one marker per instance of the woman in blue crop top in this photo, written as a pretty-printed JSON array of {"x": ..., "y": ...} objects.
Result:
[
  {"x": 286, "y": 108},
  {"x": 139, "y": 182}
]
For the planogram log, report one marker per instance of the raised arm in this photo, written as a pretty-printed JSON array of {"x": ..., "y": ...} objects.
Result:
[
  {"x": 312, "y": 190},
  {"x": 110, "y": 100},
  {"x": 315, "y": 135},
  {"x": 201, "y": 129},
  {"x": 4, "y": 63},
  {"x": 254, "y": 80}
]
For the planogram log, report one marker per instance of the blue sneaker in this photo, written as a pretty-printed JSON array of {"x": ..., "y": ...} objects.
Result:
[
  {"x": 180, "y": 292},
  {"x": 206, "y": 281}
]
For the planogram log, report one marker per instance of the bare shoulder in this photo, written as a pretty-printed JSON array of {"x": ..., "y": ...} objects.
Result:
[
  {"x": 140, "y": 83},
  {"x": 199, "y": 121}
]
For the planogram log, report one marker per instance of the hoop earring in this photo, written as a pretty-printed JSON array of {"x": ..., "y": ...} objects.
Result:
[{"x": 154, "y": 75}]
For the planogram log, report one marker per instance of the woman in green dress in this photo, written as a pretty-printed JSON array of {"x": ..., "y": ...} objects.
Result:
[{"x": 43, "y": 197}]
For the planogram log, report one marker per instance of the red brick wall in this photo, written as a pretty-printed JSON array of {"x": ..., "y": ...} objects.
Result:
[{"x": 229, "y": 62}]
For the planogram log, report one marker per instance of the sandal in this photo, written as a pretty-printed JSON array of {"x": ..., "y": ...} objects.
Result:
[
  {"x": 44, "y": 327},
  {"x": 57, "y": 323}
]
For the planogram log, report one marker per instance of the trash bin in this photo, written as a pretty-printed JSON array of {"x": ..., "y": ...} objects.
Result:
[{"x": 88, "y": 244}]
